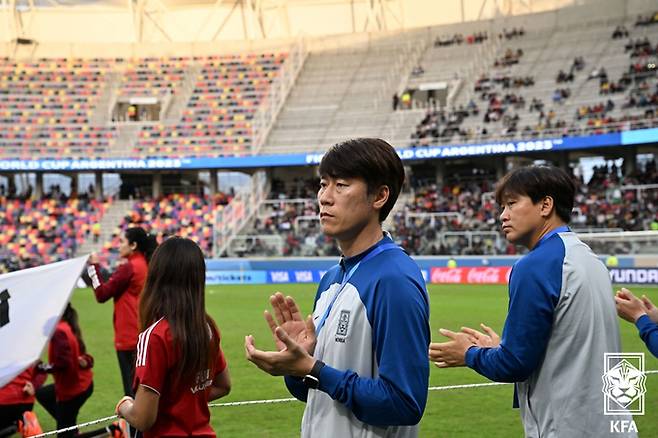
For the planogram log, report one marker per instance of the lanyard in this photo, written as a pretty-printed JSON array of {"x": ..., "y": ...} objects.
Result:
[{"x": 348, "y": 275}]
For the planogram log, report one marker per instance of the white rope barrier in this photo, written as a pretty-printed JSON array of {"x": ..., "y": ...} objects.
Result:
[
  {"x": 79, "y": 426},
  {"x": 252, "y": 402},
  {"x": 282, "y": 400}
]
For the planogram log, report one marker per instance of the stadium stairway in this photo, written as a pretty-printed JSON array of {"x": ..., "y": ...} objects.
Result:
[
  {"x": 126, "y": 138},
  {"x": 181, "y": 98},
  {"x": 111, "y": 219},
  {"x": 103, "y": 109},
  {"x": 342, "y": 93}
]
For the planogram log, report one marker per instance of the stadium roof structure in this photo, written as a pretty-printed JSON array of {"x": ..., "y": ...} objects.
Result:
[{"x": 161, "y": 21}]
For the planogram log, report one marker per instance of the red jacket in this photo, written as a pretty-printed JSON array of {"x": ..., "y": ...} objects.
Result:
[
  {"x": 63, "y": 353},
  {"x": 12, "y": 393},
  {"x": 125, "y": 286}
]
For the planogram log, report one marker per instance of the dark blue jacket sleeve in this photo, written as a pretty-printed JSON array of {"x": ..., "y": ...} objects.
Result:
[
  {"x": 399, "y": 315},
  {"x": 649, "y": 333},
  {"x": 297, "y": 388},
  {"x": 534, "y": 293}
]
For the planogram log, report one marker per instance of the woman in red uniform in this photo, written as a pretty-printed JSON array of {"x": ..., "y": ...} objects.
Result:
[
  {"x": 180, "y": 365},
  {"x": 70, "y": 366},
  {"x": 125, "y": 286},
  {"x": 16, "y": 398}
]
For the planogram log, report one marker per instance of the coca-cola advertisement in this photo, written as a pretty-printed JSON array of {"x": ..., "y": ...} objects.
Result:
[{"x": 488, "y": 275}]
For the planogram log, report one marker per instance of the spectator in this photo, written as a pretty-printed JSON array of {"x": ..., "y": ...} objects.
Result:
[
  {"x": 620, "y": 32},
  {"x": 70, "y": 365},
  {"x": 418, "y": 70}
]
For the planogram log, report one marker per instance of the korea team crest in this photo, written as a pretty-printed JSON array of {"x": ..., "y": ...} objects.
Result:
[
  {"x": 343, "y": 326},
  {"x": 624, "y": 383}
]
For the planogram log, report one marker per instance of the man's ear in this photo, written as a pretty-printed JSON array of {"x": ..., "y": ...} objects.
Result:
[
  {"x": 380, "y": 198},
  {"x": 547, "y": 206}
]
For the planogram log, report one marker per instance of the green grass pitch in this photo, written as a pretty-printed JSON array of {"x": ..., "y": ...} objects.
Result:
[{"x": 238, "y": 312}]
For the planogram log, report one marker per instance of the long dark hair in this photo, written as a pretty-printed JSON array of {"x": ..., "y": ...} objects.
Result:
[
  {"x": 175, "y": 290},
  {"x": 70, "y": 316},
  {"x": 146, "y": 243}
]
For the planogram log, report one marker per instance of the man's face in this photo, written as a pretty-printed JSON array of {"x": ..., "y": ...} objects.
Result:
[
  {"x": 345, "y": 207},
  {"x": 520, "y": 218}
]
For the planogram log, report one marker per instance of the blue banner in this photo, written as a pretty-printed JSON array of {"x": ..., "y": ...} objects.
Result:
[{"x": 642, "y": 136}]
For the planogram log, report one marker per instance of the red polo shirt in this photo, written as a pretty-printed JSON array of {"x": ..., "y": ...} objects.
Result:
[{"x": 183, "y": 407}]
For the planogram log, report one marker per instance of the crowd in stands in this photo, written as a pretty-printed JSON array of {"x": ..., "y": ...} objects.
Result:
[
  {"x": 503, "y": 110},
  {"x": 561, "y": 94},
  {"x": 647, "y": 20},
  {"x": 443, "y": 124},
  {"x": 640, "y": 47},
  {"x": 509, "y": 58},
  {"x": 512, "y": 33},
  {"x": 486, "y": 83},
  {"x": 604, "y": 202},
  {"x": 34, "y": 232},
  {"x": 476, "y": 37},
  {"x": 595, "y": 111},
  {"x": 643, "y": 97},
  {"x": 577, "y": 65},
  {"x": 459, "y": 217},
  {"x": 190, "y": 216},
  {"x": 453, "y": 208},
  {"x": 458, "y": 38},
  {"x": 291, "y": 211}
]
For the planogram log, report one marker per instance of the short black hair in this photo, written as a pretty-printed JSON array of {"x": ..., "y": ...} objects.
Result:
[
  {"x": 372, "y": 159},
  {"x": 536, "y": 182}
]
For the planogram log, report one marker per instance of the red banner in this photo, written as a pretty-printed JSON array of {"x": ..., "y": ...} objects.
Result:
[{"x": 492, "y": 275}]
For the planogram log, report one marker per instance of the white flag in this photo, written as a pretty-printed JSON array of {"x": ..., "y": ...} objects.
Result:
[{"x": 31, "y": 303}]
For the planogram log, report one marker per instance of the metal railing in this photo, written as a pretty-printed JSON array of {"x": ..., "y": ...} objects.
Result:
[
  {"x": 246, "y": 244},
  {"x": 272, "y": 103},
  {"x": 230, "y": 219}
]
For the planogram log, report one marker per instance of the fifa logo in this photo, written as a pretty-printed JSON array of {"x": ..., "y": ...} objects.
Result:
[{"x": 624, "y": 383}]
